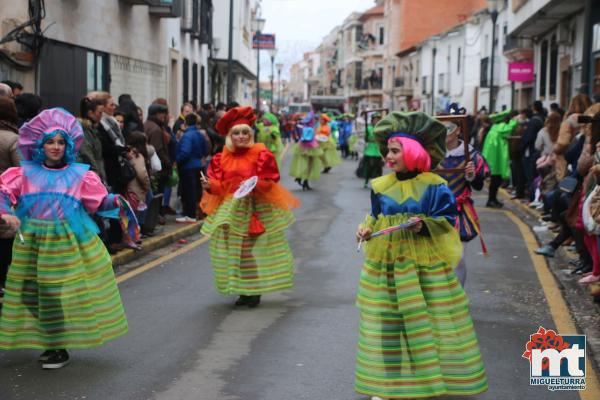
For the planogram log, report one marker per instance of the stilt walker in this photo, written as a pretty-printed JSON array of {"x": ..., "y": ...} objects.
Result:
[
  {"x": 461, "y": 183},
  {"x": 416, "y": 337},
  {"x": 61, "y": 291},
  {"x": 248, "y": 212}
]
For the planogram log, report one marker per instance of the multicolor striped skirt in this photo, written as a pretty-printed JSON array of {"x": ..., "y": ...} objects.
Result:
[
  {"x": 244, "y": 264},
  {"x": 416, "y": 337},
  {"x": 60, "y": 292}
]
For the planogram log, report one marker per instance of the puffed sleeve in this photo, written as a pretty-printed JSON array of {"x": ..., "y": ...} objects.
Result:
[
  {"x": 267, "y": 166},
  {"x": 441, "y": 203},
  {"x": 94, "y": 195},
  {"x": 10, "y": 189},
  {"x": 215, "y": 174}
]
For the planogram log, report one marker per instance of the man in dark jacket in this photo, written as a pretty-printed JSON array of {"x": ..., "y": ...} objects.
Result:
[
  {"x": 535, "y": 122},
  {"x": 159, "y": 138},
  {"x": 192, "y": 150}
]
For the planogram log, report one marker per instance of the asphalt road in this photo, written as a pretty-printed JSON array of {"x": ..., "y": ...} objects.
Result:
[{"x": 188, "y": 342}]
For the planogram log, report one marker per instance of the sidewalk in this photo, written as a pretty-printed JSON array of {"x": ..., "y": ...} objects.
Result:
[
  {"x": 585, "y": 313},
  {"x": 165, "y": 235}
]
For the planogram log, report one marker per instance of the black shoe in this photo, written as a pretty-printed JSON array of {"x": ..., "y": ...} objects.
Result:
[
  {"x": 254, "y": 301},
  {"x": 326, "y": 170},
  {"x": 305, "y": 185},
  {"x": 494, "y": 204},
  {"x": 56, "y": 360},
  {"x": 242, "y": 300},
  {"x": 584, "y": 269},
  {"x": 298, "y": 181},
  {"x": 45, "y": 355}
]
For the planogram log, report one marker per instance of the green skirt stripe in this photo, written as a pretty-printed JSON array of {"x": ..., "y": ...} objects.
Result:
[
  {"x": 306, "y": 163},
  {"x": 236, "y": 214},
  {"x": 49, "y": 303},
  {"x": 251, "y": 265}
]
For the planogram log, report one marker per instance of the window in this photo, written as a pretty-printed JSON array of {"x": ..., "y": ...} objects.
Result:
[
  {"x": 458, "y": 57},
  {"x": 441, "y": 83},
  {"x": 543, "y": 67},
  {"x": 358, "y": 75},
  {"x": 205, "y": 21},
  {"x": 195, "y": 83},
  {"x": 380, "y": 33},
  {"x": 186, "y": 80},
  {"x": 97, "y": 71},
  {"x": 424, "y": 85},
  {"x": 483, "y": 72},
  {"x": 553, "y": 66},
  {"x": 195, "y": 15}
]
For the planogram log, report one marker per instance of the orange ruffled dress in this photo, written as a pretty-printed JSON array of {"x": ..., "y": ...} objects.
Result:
[{"x": 248, "y": 248}]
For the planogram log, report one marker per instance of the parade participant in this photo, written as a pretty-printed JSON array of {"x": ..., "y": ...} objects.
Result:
[
  {"x": 372, "y": 163},
  {"x": 495, "y": 152},
  {"x": 270, "y": 136},
  {"x": 330, "y": 157},
  {"x": 248, "y": 248},
  {"x": 461, "y": 183},
  {"x": 345, "y": 132},
  {"x": 61, "y": 291},
  {"x": 416, "y": 337},
  {"x": 306, "y": 155}
]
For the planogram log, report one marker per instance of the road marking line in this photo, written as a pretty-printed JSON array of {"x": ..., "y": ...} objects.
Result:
[
  {"x": 556, "y": 303},
  {"x": 162, "y": 260}
]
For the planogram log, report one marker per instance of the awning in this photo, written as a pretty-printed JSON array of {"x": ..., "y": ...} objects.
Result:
[{"x": 546, "y": 17}]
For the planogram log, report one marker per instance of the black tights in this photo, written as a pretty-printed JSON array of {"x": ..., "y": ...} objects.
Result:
[{"x": 495, "y": 182}]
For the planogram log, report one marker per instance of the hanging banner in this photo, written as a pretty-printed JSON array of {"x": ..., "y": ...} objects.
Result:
[
  {"x": 520, "y": 71},
  {"x": 266, "y": 42}
]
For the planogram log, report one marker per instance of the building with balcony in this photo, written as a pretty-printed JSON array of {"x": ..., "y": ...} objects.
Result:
[
  {"x": 563, "y": 40},
  {"x": 371, "y": 49},
  {"x": 77, "y": 47},
  {"x": 243, "y": 56}
]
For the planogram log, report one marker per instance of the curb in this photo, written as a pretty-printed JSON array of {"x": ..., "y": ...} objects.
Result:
[
  {"x": 155, "y": 242},
  {"x": 522, "y": 207}
]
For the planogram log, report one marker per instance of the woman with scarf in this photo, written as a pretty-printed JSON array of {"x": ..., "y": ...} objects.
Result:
[
  {"x": 416, "y": 338},
  {"x": 306, "y": 156},
  {"x": 61, "y": 291},
  {"x": 248, "y": 248}
]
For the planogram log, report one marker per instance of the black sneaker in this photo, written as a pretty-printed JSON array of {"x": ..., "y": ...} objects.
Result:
[
  {"x": 45, "y": 355},
  {"x": 242, "y": 300},
  {"x": 254, "y": 301},
  {"x": 58, "y": 359}
]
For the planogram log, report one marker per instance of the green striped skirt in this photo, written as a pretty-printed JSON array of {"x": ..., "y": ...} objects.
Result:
[
  {"x": 416, "y": 337},
  {"x": 60, "y": 292},
  {"x": 249, "y": 265},
  {"x": 306, "y": 163}
]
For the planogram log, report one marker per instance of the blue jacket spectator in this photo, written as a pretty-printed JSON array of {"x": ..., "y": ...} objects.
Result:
[{"x": 191, "y": 149}]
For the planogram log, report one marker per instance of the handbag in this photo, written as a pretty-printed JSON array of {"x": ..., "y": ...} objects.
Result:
[
  {"x": 589, "y": 211},
  {"x": 568, "y": 185},
  {"x": 126, "y": 171}
]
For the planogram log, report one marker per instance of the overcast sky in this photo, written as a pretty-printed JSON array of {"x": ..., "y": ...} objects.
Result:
[{"x": 300, "y": 25}]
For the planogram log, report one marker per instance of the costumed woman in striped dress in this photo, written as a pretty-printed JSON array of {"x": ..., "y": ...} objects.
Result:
[
  {"x": 461, "y": 183},
  {"x": 327, "y": 143},
  {"x": 248, "y": 248},
  {"x": 416, "y": 337},
  {"x": 61, "y": 291},
  {"x": 306, "y": 155}
]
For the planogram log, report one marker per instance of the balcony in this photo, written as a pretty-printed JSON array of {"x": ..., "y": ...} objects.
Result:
[
  {"x": 135, "y": 2},
  {"x": 518, "y": 49},
  {"x": 166, "y": 8}
]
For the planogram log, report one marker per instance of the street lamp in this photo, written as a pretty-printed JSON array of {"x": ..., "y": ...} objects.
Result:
[
  {"x": 258, "y": 25},
  {"x": 492, "y": 7},
  {"x": 433, "y": 53},
  {"x": 230, "y": 56},
  {"x": 272, "y": 53},
  {"x": 279, "y": 67}
]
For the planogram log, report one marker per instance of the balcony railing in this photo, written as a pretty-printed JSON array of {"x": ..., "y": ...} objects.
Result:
[
  {"x": 517, "y": 43},
  {"x": 161, "y": 8},
  {"x": 399, "y": 82}
]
